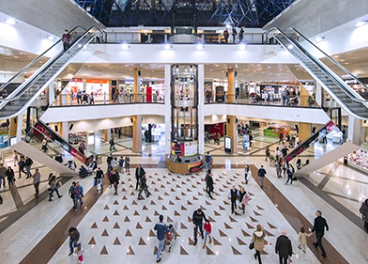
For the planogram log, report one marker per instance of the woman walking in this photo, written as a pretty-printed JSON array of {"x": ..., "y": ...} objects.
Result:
[
  {"x": 10, "y": 175},
  {"x": 259, "y": 243}
]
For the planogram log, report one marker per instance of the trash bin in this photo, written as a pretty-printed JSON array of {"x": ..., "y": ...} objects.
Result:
[
  {"x": 272, "y": 161},
  {"x": 98, "y": 159}
]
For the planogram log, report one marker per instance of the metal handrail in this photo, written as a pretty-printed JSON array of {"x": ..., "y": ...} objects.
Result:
[
  {"x": 352, "y": 94},
  {"x": 40, "y": 73},
  {"x": 35, "y": 60},
  {"x": 330, "y": 58}
]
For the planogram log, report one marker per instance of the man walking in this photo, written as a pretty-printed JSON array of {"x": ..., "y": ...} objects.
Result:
[
  {"x": 139, "y": 171},
  {"x": 261, "y": 174},
  {"x": 161, "y": 230},
  {"x": 66, "y": 40},
  {"x": 28, "y": 164},
  {"x": 36, "y": 181},
  {"x": 233, "y": 196},
  {"x": 112, "y": 144},
  {"x": 319, "y": 229},
  {"x": 208, "y": 161},
  {"x": 21, "y": 165},
  {"x": 78, "y": 194},
  {"x": 209, "y": 183},
  {"x": 198, "y": 217},
  {"x": 283, "y": 248},
  {"x": 2, "y": 174},
  {"x": 74, "y": 237}
]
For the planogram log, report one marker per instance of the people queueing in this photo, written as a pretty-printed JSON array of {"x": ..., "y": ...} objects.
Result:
[
  {"x": 161, "y": 229},
  {"x": 283, "y": 248},
  {"x": 198, "y": 217},
  {"x": 209, "y": 183},
  {"x": 320, "y": 224}
]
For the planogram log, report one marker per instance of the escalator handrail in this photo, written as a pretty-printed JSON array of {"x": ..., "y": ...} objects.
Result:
[
  {"x": 34, "y": 61},
  {"x": 331, "y": 59},
  {"x": 40, "y": 74},
  {"x": 352, "y": 94}
]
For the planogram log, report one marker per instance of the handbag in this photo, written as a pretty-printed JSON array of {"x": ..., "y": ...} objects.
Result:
[{"x": 251, "y": 245}]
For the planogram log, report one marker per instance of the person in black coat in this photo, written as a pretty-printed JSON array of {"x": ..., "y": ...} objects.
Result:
[
  {"x": 284, "y": 248},
  {"x": 10, "y": 175},
  {"x": 319, "y": 228},
  {"x": 114, "y": 179},
  {"x": 233, "y": 196},
  {"x": 197, "y": 219},
  {"x": 139, "y": 171},
  {"x": 59, "y": 158},
  {"x": 209, "y": 183}
]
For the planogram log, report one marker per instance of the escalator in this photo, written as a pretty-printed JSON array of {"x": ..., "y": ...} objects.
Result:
[
  {"x": 24, "y": 95},
  {"x": 342, "y": 93}
]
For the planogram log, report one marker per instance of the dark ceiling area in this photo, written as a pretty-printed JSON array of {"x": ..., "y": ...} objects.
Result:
[{"x": 211, "y": 13}]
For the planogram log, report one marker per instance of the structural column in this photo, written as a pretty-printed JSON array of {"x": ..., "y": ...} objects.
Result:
[
  {"x": 19, "y": 127},
  {"x": 137, "y": 120},
  {"x": 231, "y": 123},
  {"x": 354, "y": 129},
  {"x": 51, "y": 92},
  {"x": 201, "y": 108},
  {"x": 304, "y": 128},
  {"x": 167, "y": 109},
  {"x": 319, "y": 96}
]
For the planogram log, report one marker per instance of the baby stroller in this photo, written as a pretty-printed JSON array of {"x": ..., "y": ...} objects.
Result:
[
  {"x": 170, "y": 237},
  {"x": 91, "y": 167}
]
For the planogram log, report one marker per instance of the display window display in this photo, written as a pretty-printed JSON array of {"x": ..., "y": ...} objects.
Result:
[
  {"x": 97, "y": 87},
  {"x": 359, "y": 159}
]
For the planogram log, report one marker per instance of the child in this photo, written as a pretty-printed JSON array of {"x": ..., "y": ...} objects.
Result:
[
  {"x": 79, "y": 251},
  {"x": 207, "y": 232},
  {"x": 99, "y": 186},
  {"x": 303, "y": 239}
]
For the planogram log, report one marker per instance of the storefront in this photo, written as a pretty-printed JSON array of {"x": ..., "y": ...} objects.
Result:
[{"x": 358, "y": 159}]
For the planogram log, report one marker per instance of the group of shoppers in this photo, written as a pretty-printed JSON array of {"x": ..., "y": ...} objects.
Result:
[{"x": 234, "y": 33}]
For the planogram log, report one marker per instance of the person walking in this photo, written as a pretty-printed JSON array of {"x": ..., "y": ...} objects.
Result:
[
  {"x": 112, "y": 144},
  {"x": 233, "y": 195},
  {"x": 244, "y": 198},
  {"x": 36, "y": 181},
  {"x": 283, "y": 248},
  {"x": 209, "y": 183},
  {"x": 82, "y": 148},
  {"x": 303, "y": 239},
  {"x": 290, "y": 174},
  {"x": 72, "y": 192},
  {"x": 320, "y": 224},
  {"x": 234, "y": 33},
  {"x": 99, "y": 176},
  {"x": 207, "y": 232},
  {"x": 208, "y": 161},
  {"x": 215, "y": 139},
  {"x": 241, "y": 35},
  {"x": 114, "y": 163},
  {"x": 259, "y": 242},
  {"x": 21, "y": 166},
  {"x": 114, "y": 179},
  {"x": 278, "y": 168},
  {"x": 198, "y": 217},
  {"x": 143, "y": 187},
  {"x": 78, "y": 195},
  {"x": 267, "y": 153},
  {"x": 127, "y": 164},
  {"x": 364, "y": 211},
  {"x": 139, "y": 171},
  {"x": 44, "y": 145},
  {"x": 74, "y": 237},
  {"x": 161, "y": 229},
  {"x": 226, "y": 35},
  {"x": 15, "y": 158},
  {"x": 247, "y": 173},
  {"x": 10, "y": 175},
  {"x": 59, "y": 158},
  {"x": 2, "y": 175},
  {"x": 121, "y": 164},
  {"x": 66, "y": 40},
  {"x": 261, "y": 174},
  {"x": 53, "y": 187},
  {"x": 28, "y": 165}
]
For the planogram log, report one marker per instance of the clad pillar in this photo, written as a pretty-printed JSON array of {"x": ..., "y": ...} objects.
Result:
[
  {"x": 200, "y": 108},
  {"x": 319, "y": 96},
  {"x": 13, "y": 127},
  {"x": 231, "y": 123},
  {"x": 304, "y": 131},
  {"x": 137, "y": 120},
  {"x": 167, "y": 110},
  {"x": 304, "y": 95},
  {"x": 354, "y": 129}
]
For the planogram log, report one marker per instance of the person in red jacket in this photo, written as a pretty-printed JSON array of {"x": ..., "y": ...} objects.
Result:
[
  {"x": 207, "y": 232},
  {"x": 66, "y": 40}
]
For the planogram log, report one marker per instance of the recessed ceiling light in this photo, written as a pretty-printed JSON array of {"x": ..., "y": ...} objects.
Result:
[
  {"x": 200, "y": 46},
  {"x": 167, "y": 46},
  {"x": 320, "y": 39},
  {"x": 10, "y": 21},
  {"x": 290, "y": 46},
  {"x": 242, "y": 46},
  {"x": 50, "y": 38}
]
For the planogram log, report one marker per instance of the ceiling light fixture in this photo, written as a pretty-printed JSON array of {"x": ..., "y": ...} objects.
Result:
[
  {"x": 290, "y": 46},
  {"x": 125, "y": 46},
  {"x": 320, "y": 39},
  {"x": 50, "y": 38},
  {"x": 200, "y": 46},
  {"x": 361, "y": 23},
  {"x": 10, "y": 21},
  {"x": 167, "y": 46}
]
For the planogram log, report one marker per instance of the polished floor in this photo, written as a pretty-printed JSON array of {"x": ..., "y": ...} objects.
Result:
[{"x": 120, "y": 228}]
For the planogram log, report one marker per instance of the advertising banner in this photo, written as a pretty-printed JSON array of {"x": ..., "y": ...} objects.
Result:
[
  {"x": 4, "y": 137},
  {"x": 313, "y": 139},
  {"x": 41, "y": 130},
  {"x": 190, "y": 148}
]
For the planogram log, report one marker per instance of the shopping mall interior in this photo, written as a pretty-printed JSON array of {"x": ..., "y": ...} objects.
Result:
[{"x": 193, "y": 92}]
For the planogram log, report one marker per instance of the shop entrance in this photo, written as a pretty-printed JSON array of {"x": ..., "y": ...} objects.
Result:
[{"x": 153, "y": 139}]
